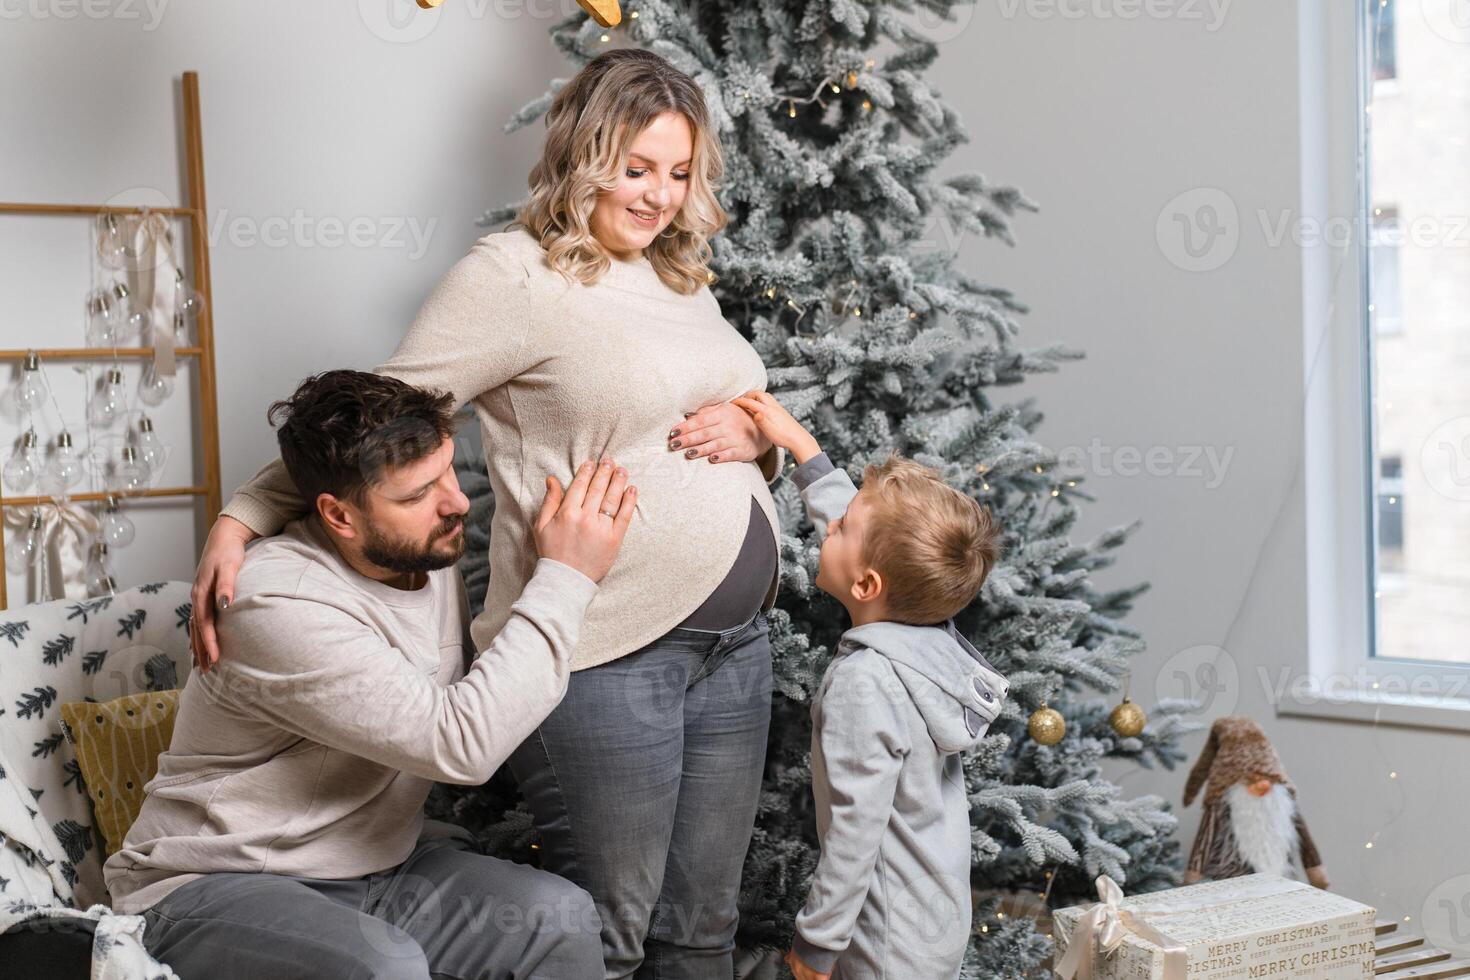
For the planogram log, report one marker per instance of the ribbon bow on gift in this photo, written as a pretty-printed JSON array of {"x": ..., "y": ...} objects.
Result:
[{"x": 1103, "y": 928}]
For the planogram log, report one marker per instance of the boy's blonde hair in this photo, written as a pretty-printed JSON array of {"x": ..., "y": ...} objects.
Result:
[{"x": 932, "y": 544}]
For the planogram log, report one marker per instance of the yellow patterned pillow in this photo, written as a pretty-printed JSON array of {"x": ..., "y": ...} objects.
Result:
[{"x": 118, "y": 743}]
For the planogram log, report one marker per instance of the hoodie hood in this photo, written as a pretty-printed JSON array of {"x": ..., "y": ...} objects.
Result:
[{"x": 955, "y": 689}]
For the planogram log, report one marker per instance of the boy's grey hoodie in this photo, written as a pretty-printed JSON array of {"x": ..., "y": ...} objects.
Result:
[{"x": 896, "y": 708}]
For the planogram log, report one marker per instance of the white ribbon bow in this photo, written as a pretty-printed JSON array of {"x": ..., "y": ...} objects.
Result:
[
  {"x": 1104, "y": 926},
  {"x": 157, "y": 291}
]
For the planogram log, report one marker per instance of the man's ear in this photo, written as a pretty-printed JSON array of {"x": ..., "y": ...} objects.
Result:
[
  {"x": 869, "y": 586},
  {"x": 339, "y": 517}
]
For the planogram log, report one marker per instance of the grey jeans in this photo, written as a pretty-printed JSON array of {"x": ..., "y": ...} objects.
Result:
[
  {"x": 644, "y": 783},
  {"x": 446, "y": 911}
]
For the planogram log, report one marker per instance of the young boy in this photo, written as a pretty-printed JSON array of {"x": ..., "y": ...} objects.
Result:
[{"x": 904, "y": 697}]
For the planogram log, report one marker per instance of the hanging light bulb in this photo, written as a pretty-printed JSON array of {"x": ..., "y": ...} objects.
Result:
[
  {"x": 99, "y": 572},
  {"x": 104, "y": 320},
  {"x": 112, "y": 246},
  {"x": 109, "y": 402},
  {"x": 65, "y": 470},
  {"x": 117, "y": 530},
  {"x": 31, "y": 393},
  {"x": 22, "y": 550},
  {"x": 135, "y": 319},
  {"x": 154, "y": 388},
  {"x": 132, "y": 474},
  {"x": 181, "y": 330},
  {"x": 24, "y": 468},
  {"x": 151, "y": 449},
  {"x": 186, "y": 300}
]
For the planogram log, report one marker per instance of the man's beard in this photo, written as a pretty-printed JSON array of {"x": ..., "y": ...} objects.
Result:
[
  {"x": 1265, "y": 834},
  {"x": 399, "y": 556}
]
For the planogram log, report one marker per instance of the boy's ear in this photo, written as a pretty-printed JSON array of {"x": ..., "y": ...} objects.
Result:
[{"x": 869, "y": 585}]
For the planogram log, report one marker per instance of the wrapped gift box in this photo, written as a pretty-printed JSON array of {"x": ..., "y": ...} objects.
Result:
[{"x": 1254, "y": 926}]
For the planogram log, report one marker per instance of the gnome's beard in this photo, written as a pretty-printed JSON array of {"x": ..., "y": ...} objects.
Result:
[{"x": 1264, "y": 831}]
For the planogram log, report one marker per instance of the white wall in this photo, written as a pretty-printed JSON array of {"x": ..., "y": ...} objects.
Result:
[
  {"x": 312, "y": 114},
  {"x": 1102, "y": 120}
]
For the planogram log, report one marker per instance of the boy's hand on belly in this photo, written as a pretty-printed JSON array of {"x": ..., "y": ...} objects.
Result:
[
  {"x": 723, "y": 433},
  {"x": 771, "y": 417}
]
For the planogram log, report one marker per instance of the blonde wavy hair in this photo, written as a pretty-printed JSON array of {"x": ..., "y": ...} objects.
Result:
[{"x": 591, "y": 123}]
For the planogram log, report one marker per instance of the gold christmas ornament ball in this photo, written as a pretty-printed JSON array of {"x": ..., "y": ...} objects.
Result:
[
  {"x": 1128, "y": 719},
  {"x": 1047, "y": 725}
]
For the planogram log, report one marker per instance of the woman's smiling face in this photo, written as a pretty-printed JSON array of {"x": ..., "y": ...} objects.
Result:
[{"x": 654, "y": 182}]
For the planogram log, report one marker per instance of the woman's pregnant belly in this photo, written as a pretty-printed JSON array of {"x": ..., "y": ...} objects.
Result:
[{"x": 742, "y": 591}]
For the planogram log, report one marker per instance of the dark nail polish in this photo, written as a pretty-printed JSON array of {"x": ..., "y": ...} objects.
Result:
[
  {"x": 674, "y": 434},
  {"x": 688, "y": 454},
  {"x": 714, "y": 459},
  {"x": 675, "y": 444},
  {"x": 688, "y": 415},
  {"x": 224, "y": 602}
]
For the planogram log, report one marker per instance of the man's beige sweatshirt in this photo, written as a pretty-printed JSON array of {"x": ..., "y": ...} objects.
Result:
[
  {"x": 309, "y": 749},
  {"x": 559, "y": 373}
]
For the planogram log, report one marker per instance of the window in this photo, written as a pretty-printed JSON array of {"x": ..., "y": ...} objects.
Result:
[
  {"x": 1390, "y": 521},
  {"x": 1416, "y": 336},
  {"x": 1385, "y": 308},
  {"x": 1383, "y": 36}
]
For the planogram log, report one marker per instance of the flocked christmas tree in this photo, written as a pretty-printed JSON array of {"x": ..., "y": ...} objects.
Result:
[{"x": 831, "y": 138}]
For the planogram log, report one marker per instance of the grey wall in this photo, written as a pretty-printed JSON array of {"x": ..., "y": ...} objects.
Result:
[
  {"x": 1104, "y": 121},
  {"x": 346, "y": 156}
]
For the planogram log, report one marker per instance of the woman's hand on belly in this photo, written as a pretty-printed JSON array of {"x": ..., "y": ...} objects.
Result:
[{"x": 723, "y": 433}]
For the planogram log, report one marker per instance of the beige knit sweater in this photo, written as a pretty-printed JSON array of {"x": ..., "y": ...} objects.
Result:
[
  {"x": 558, "y": 373},
  {"x": 274, "y": 765}
]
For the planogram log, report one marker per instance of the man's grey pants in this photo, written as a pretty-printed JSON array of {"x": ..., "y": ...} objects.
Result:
[{"x": 446, "y": 911}]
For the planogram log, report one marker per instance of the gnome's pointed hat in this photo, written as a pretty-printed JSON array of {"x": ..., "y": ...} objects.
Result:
[{"x": 1237, "y": 750}]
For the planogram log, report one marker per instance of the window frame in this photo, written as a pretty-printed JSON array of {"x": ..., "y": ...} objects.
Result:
[{"x": 1338, "y": 676}]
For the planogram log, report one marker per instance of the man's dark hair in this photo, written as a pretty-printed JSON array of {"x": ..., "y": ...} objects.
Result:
[{"x": 341, "y": 429}]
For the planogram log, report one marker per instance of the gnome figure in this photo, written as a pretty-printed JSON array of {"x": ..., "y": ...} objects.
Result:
[{"x": 1251, "y": 822}]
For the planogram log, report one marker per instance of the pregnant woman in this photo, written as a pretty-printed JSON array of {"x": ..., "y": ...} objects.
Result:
[{"x": 590, "y": 330}]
